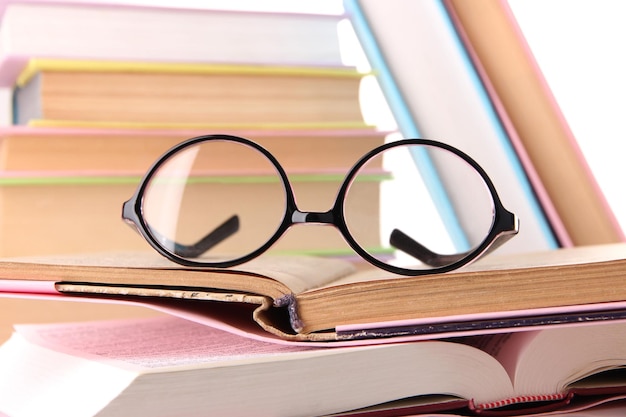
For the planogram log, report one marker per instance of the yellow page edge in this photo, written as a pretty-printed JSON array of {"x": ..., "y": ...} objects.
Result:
[{"x": 36, "y": 65}]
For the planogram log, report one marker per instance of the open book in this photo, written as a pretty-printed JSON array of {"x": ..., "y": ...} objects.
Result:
[
  {"x": 168, "y": 366},
  {"x": 316, "y": 299}
]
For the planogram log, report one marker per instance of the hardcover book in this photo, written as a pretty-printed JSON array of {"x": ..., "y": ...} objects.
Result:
[
  {"x": 78, "y": 30},
  {"x": 138, "y": 94},
  {"x": 310, "y": 299},
  {"x": 499, "y": 46}
]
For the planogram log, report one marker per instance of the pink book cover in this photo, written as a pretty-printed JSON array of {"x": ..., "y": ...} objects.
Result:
[
  {"x": 236, "y": 319},
  {"x": 10, "y": 69},
  {"x": 189, "y": 133}
]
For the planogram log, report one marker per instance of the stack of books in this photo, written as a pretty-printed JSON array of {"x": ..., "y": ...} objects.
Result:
[
  {"x": 92, "y": 109},
  {"x": 510, "y": 335}
]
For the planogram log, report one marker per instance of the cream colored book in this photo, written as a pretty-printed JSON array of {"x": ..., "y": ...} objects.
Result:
[
  {"x": 544, "y": 134},
  {"x": 168, "y": 366},
  {"x": 324, "y": 299},
  {"x": 88, "y": 93}
]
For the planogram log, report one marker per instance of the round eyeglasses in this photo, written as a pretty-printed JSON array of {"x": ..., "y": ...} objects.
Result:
[{"x": 220, "y": 200}]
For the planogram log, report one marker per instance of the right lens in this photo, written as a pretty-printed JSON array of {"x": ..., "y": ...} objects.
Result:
[
  {"x": 216, "y": 200},
  {"x": 435, "y": 207}
]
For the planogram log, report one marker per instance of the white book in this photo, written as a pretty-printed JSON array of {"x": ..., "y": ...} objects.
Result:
[
  {"x": 435, "y": 93},
  {"x": 166, "y": 366},
  {"x": 109, "y": 32}
]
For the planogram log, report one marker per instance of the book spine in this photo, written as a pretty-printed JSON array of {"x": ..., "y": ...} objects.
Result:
[
  {"x": 543, "y": 132},
  {"x": 542, "y": 402},
  {"x": 37, "y": 65},
  {"x": 21, "y": 130},
  {"x": 543, "y": 197},
  {"x": 392, "y": 92},
  {"x": 404, "y": 119},
  {"x": 505, "y": 142},
  {"x": 211, "y": 127}
]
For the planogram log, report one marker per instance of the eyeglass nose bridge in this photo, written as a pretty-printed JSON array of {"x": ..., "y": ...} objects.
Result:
[{"x": 313, "y": 217}]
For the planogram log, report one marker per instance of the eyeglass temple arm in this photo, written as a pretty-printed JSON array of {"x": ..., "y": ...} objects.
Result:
[
  {"x": 398, "y": 239},
  {"x": 222, "y": 232},
  {"x": 407, "y": 244}
]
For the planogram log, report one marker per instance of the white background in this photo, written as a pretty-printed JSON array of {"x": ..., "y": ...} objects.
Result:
[{"x": 580, "y": 46}]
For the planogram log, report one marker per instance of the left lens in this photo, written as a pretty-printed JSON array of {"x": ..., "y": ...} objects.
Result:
[
  {"x": 434, "y": 206},
  {"x": 214, "y": 201}
]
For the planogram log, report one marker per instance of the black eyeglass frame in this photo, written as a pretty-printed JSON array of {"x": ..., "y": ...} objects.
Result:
[{"x": 505, "y": 224}]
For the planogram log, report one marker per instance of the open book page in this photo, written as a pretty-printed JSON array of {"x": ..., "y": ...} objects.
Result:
[
  {"x": 302, "y": 273},
  {"x": 498, "y": 262},
  {"x": 564, "y": 256},
  {"x": 298, "y": 273},
  {"x": 552, "y": 360},
  {"x": 27, "y": 388},
  {"x": 571, "y": 354},
  {"x": 505, "y": 347},
  {"x": 164, "y": 344},
  {"x": 150, "y": 342}
]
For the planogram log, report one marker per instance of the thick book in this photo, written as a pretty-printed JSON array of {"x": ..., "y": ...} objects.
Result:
[
  {"x": 500, "y": 48},
  {"x": 66, "y": 186},
  {"x": 89, "y": 150},
  {"x": 62, "y": 212},
  {"x": 164, "y": 94},
  {"x": 167, "y": 366},
  {"x": 303, "y": 298},
  {"x": 434, "y": 92},
  {"x": 78, "y": 30},
  {"x": 538, "y": 187}
]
